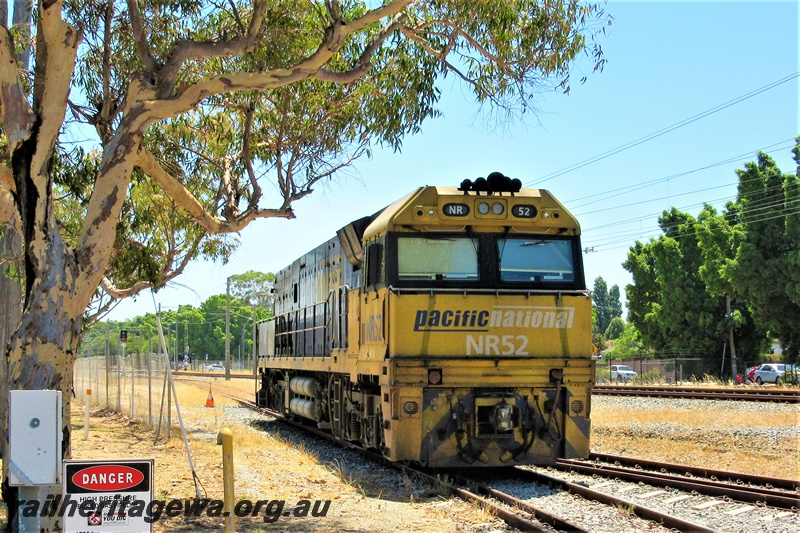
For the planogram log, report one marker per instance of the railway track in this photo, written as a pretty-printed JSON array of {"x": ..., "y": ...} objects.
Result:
[
  {"x": 753, "y": 394},
  {"x": 674, "y": 476},
  {"x": 515, "y": 518},
  {"x": 611, "y": 479}
]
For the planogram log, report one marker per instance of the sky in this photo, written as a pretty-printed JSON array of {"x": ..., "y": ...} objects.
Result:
[{"x": 691, "y": 91}]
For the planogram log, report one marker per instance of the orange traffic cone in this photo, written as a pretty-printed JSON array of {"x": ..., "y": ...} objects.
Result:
[{"x": 210, "y": 400}]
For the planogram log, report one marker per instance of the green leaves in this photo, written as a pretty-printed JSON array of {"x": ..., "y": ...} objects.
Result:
[
  {"x": 249, "y": 149},
  {"x": 607, "y": 305},
  {"x": 750, "y": 252}
]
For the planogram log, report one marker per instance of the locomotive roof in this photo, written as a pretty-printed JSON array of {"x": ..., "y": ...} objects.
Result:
[{"x": 429, "y": 208}]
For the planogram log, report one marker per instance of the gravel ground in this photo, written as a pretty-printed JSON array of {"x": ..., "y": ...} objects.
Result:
[
  {"x": 643, "y": 403},
  {"x": 727, "y": 516},
  {"x": 379, "y": 498},
  {"x": 369, "y": 497}
]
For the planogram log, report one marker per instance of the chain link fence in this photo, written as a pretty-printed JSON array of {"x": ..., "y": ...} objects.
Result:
[
  {"x": 135, "y": 385},
  {"x": 669, "y": 371}
]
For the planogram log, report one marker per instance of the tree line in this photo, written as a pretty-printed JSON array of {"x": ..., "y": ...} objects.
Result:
[
  {"x": 733, "y": 273},
  {"x": 198, "y": 331}
]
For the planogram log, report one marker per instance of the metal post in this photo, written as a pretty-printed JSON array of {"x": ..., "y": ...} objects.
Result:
[
  {"x": 86, "y": 417},
  {"x": 108, "y": 367},
  {"x": 149, "y": 390},
  {"x": 228, "y": 331},
  {"x": 225, "y": 438},
  {"x": 255, "y": 351},
  {"x": 133, "y": 386},
  {"x": 730, "y": 332},
  {"x": 119, "y": 383},
  {"x": 169, "y": 405},
  {"x": 175, "y": 353}
]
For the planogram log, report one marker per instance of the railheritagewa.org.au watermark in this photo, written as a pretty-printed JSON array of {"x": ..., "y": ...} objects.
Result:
[{"x": 154, "y": 510}]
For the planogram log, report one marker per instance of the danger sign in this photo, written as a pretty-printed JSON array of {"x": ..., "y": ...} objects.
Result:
[
  {"x": 108, "y": 478},
  {"x": 109, "y": 491}
]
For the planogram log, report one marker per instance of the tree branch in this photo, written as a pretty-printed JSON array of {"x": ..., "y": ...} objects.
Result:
[
  {"x": 166, "y": 107},
  {"x": 440, "y": 55},
  {"x": 364, "y": 61},
  {"x": 62, "y": 42},
  {"x": 247, "y": 158},
  {"x": 115, "y": 293},
  {"x": 187, "y": 50},
  {"x": 139, "y": 36},
  {"x": 372, "y": 17},
  {"x": 175, "y": 190},
  {"x": 181, "y": 196},
  {"x": 15, "y": 113}
]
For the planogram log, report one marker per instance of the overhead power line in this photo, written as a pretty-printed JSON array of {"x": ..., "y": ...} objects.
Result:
[
  {"x": 613, "y": 193},
  {"x": 789, "y": 211},
  {"x": 684, "y": 122}
]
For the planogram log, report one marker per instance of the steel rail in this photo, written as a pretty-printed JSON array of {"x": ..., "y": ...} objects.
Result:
[
  {"x": 770, "y": 497},
  {"x": 714, "y": 475},
  {"x": 716, "y": 393},
  {"x": 557, "y": 522},
  {"x": 639, "y": 510},
  {"x": 191, "y": 373}
]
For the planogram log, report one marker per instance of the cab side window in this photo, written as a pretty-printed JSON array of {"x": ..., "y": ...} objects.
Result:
[{"x": 374, "y": 273}]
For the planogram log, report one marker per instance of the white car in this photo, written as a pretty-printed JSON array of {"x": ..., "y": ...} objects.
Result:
[
  {"x": 770, "y": 373},
  {"x": 216, "y": 367},
  {"x": 622, "y": 373}
]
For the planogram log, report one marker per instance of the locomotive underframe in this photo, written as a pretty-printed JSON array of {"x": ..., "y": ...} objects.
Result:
[{"x": 476, "y": 416}]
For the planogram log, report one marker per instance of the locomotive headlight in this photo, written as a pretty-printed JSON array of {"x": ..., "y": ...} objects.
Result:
[
  {"x": 498, "y": 208},
  {"x": 483, "y": 208}
]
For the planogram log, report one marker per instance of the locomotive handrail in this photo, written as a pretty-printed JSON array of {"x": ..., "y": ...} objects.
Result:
[
  {"x": 327, "y": 324},
  {"x": 572, "y": 292}
]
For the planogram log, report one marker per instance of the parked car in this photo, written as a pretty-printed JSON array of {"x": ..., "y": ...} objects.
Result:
[
  {"x": 622, "y": 373},
  {"x": 770, "y": 373},
  {"x": 216, "y": 367}
]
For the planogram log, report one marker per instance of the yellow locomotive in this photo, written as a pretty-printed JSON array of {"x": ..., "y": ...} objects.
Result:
[{"x": 452, "y": 328}]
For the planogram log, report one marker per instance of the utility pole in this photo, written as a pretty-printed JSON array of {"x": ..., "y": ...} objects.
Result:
[
  {"x": 255, "y": 349},
  {"x": 185, "y": 340},
  {"x": 730, "y": 331},
  {"x": 228, "y": 331}
]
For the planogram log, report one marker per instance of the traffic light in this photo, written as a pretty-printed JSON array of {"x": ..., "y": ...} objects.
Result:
[{"x": 123, "y": 335}]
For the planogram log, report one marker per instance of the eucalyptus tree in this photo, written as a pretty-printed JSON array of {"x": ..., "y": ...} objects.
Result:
[
  {"x": 254, "y": 288},
  {"x": 149, "y": 132}
]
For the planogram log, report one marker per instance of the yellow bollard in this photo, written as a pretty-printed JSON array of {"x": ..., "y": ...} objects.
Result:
[
  {"x": 225, "y": 438},
  {"x": 86, "y": 418}
]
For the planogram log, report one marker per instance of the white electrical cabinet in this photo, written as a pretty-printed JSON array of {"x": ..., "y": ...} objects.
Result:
[{"x": 34, "y": 437}]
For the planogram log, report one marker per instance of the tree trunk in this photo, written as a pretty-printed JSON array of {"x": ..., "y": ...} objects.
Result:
[{"x": 41, "y": 355}]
